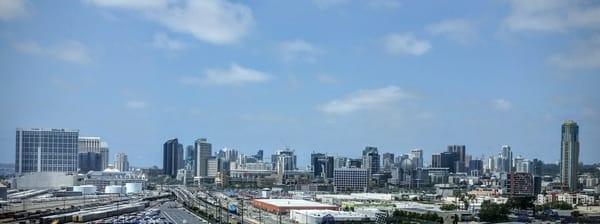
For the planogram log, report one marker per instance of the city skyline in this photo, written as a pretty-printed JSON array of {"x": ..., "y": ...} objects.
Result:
[{"x": 340, "y": 76}]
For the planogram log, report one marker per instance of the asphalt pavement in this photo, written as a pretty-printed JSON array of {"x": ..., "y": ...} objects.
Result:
[{"x": 179, "y": 215}]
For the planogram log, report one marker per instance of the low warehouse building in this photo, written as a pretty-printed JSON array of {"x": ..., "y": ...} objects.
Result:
[
  {"x": 285, "y": 205},
  {"x": 321, "y": 216}
]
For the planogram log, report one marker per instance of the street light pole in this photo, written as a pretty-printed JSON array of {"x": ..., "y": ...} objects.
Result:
[{"x": 242, "y": 211}]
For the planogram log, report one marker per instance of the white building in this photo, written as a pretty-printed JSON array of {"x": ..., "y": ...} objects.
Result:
[
  {"x": 212, "y": 166},
  {"x": 45, "y": 180},
  {"x": 121, "y": 162},
  {"x": 319, "y": 216}
]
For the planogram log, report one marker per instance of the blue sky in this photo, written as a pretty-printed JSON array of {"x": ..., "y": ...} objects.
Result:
[{"x": 323, "y": 75}]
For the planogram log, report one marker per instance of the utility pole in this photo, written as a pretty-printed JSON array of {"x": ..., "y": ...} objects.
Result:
[{"x": 242, "y": 210}]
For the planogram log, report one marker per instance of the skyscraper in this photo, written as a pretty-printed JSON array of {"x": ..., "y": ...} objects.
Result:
[
  {"x": 191, "y": 156},
  {"x": 505, "y": 161},
  {"x": 322, "y": 165},
  {"x": 121, "y": 162},
  {"x": 569, "y": 155},
  {"x": 204, "y": 151},
  {"x": 417, "y": 157},
  {"x": 436, "y": 160},
  {"x": 448, "y": 160},
  {"x": 46, "y": 150},
  {"x": 259, "y": 155},
  {"x": 459, "y": 164},
  {"x": 371, "y": 160},
  {"x": 285, "y": 160},
  {"x": 172, "y": 157},
  {"x": 388, "y": 161},
  {"x": 89, "y": 161},
  {"x": 94, "y": 144}
]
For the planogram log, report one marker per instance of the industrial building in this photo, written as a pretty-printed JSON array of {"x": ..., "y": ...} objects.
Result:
[
  {"x": 45, "y": 180},
  {"x": 285, "y": 205},
  {"x": 323, "y": 216}
]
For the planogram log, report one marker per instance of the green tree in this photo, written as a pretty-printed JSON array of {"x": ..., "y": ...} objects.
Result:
[
  {"x": 492, "y": 212},
  {"x": 448, "y": 207}
]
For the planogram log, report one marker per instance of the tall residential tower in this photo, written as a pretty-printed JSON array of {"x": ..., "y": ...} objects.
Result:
[
  {"x": 569, "y": 155},
  {"x": 203, "y": 152},
  {"x": 172, "y": 157}
]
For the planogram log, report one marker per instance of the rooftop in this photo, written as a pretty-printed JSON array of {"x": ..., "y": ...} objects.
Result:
[
  {"x": 293, "y": 203},
  {"x": 318, "y": 213}
]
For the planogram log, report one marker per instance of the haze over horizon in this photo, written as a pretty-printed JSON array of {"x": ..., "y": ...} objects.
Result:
[{"x": 331, "y": 76}]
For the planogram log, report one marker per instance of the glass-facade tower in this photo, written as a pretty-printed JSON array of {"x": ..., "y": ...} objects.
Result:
[{"x": 46, "y": 150}]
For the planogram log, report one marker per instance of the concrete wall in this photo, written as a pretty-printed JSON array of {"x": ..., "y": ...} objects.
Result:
[{"x": 45, "y": 180}]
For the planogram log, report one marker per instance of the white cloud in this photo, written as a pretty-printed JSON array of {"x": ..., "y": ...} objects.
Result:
[
  {"x": 298, "y": 49},
  {"x": 405, "y": 43},
  {"x": 136, "y": 104},
  {"x": 458, "y": 30},
  {"x": 501, "y": 104},
  {"x": 213, "y": 21},
  {"x": 71, "y": 51},
  {"x": 584, "y": 55},
  {"x": 163, "y": 41},
  {"x": 234, "y": 75},
  {"x": 552, "y": 15},
  {"x": 10, "y": 9},
  {"x": 365, "y": 100}
]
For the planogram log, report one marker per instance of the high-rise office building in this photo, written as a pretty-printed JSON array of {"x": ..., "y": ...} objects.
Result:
[
  {"x": 354, "y": 163},
  {"x": 371, "y": 160},
  {"x": 322, "y": 165},
  {"x": 537, "y": 167},
  {"x": 491, "y": 164},
  {"x": 436, "y": 160},
  {"x": 89, "y": 161},
  {"x": 228, "y": 154},
  {"x": 46, "y": 150},
  {"x": 569, "y": 155},
  {"x": 416, "y": 155},
  {"x": 172, "y": 157},
  {"x": 212, "y": 166},
  {"x": 460, "y": 164},
  {"x": 121, "y": 162},
  {"x": 505, "y": 159},
  {"x": 97, "y": 145},
  {"x": 340, "y": 162},
  {"x": 350, "y": 179},
  {"x": 204, "y": 150},
  {"x": 448, "y": 160},
  {"x": 475, "y": 167},
  {"x": 388, "y": 161},
  {"x": 191, "y": 156},
  {"x": 285, "y": 160},
  {"x": 259, "y": 155}
]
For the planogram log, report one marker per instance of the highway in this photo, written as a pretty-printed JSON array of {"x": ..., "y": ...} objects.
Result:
[{"x": 178, "y": 215}]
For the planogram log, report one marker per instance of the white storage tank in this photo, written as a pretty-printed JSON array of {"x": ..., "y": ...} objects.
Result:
[
  {"x": 133, "y": 188},
  {"x": 85, "y": 189},
  {"x": 113, "y": 189}
]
